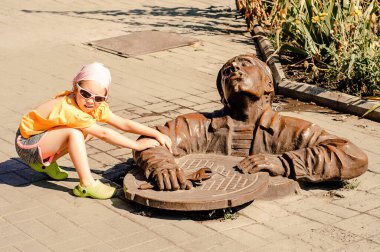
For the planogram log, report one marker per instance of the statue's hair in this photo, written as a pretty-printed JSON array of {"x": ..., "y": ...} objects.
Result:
[{"x": 255, "y": 61}]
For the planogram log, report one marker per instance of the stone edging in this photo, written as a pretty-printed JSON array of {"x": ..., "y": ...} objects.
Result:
[{"x": 310, "y": 93}]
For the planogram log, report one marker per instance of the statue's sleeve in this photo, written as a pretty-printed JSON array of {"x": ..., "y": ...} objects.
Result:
[
  {"x": 319, "y": 156},
  {"x": 188, "y": 133}
]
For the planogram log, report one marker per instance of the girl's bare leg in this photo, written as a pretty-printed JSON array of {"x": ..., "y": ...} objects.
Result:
[
  {"x": 65, "y": 150},
  {"x": 59, "y": 139}
]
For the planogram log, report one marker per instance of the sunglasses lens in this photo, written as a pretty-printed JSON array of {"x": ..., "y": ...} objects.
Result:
[
  {"x": 99, "y": 99},
  {"x": 84, "y": 93}
]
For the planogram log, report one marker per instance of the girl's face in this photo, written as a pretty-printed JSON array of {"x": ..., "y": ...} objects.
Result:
[{"x": 95, "y": 89}]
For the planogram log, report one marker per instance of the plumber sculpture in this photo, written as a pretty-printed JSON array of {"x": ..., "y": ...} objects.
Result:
[{"x": 248, "y": 127}]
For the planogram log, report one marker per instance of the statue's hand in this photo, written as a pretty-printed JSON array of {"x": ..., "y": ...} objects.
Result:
[
  {"x": 262, "y": 163},
  {"x": 170, "y": 177}
]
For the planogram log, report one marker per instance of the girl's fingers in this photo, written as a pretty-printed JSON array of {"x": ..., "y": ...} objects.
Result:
[{"x": 169, "y": 146}]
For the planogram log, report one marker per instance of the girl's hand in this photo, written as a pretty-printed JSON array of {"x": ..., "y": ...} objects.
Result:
[
  {"x": 164, "y": 140},
  {"x": 146, "y": 143}
]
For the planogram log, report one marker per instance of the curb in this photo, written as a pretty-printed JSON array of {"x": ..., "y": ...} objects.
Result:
[{"x": 309, "y": 93}]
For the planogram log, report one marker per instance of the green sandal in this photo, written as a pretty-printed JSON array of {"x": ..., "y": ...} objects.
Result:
[
  {"x": 97, "y": 190},
  {"x": 53, "y": 170}
]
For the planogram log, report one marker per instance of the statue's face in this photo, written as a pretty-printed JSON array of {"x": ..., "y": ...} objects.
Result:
[{"x": 243, "y": 78}]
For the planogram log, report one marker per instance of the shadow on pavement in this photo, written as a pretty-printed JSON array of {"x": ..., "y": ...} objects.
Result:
[
  {"x": 213, "y": 19},
  {"x": 14, "y": 172}
]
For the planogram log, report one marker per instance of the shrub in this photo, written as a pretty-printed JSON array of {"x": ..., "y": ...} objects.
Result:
[{"x": 339, "y": 39}]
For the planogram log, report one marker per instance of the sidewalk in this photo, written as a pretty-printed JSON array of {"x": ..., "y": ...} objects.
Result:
[{"x": 42, "y": 47}]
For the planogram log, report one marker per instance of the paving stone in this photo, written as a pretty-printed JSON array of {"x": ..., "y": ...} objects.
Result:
[
  {"x": 119, "y": 152},
  {"x": 230, "y": 246},
  {"x": 11, "y": 165},
  {"x": 264, "y": 232},
  {"x": 101, "y": 145},
  {"x": 206, "y": 242},
  {"x": 99, "y": 247},
  {"x": 271, "y": 208},
  {"x": 7, "y": 230},
  {"x": 368, "y": 181},
  {"x": 75, "y": 243},
  {"x": 207, "y": 107},
  {"x": 288, "y": 245},
  {"x": 19, "y": 206},
  {"x": 375, "y": 212},
  {"x": 363, "y": 245},
  {"x": 26, "y": 214},
  {"x": 9, "y": 249},
  {"x": 304, "y": 204},
  {"x": 337, "y": 210},
  {"x": 56, "y": 222},
  {"x": 104, "y": 158},
  {"x": 320, "y": 241},
  {"x": 320, "y": 216},
  {"x": 13, "y": 239},
  {"x": 196, "y": 229},
  {"x": 222, "y": 225},
  {"x": 132, "y": 240},
  {"x": 362, "y": 201},
  {"x": 246, "y": 238},
  {"x": 172, "y": 249},
  {"x": 11, "y": 178},
  {"x": 173, "y": 233},
  {"x": 12, "y": 194},
  {"x": 31, "y": 246},
  {"x": 183, "y": 102},
  {"x": 102, "y": 230},
  {"x": 152, "y": 245},
  {"x": 298, "y": 225},
  {"x": 196, "y": 99},
  {"x": 338, "y": 235},
  {"x": 256, "y": 214},
  {"x": 363, "y": 225},
  {"x": 124, "y": 225}
]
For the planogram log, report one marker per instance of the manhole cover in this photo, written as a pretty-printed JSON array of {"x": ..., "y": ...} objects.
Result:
[
  {"x": 226, "y": 188},
  {"x": 138, "y": 43}
]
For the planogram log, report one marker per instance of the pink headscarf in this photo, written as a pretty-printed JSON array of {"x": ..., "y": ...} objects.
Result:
[{"x": 96, "y": 72}]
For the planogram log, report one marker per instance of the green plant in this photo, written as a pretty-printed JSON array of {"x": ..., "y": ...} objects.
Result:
[
  {"x": 350, "y": 184},
  {"x": 229, "y": 214},
  {"x": 339, "y": 40}
]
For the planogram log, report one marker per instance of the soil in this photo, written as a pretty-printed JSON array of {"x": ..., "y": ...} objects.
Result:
[{"x": 300, "y": 70}]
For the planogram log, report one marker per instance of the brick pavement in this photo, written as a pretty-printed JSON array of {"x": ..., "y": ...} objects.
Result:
[{"x": 43, "y": 46}]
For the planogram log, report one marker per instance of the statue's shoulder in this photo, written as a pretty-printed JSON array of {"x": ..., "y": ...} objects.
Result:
[{"x": 276, "y": 121}]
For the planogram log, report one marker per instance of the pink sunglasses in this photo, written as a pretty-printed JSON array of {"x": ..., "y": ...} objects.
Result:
[{"x": 87, "y": 95}]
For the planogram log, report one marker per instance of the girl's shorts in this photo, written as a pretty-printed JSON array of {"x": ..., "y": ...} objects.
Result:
[{"x": 29, "y": 150}]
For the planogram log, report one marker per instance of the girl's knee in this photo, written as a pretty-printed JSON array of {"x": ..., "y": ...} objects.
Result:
[{"x": 76, "y": 133}]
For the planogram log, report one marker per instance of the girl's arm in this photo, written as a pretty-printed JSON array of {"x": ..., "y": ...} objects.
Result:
[
  {"x": 138, "y": 128},
  {"x": 113, "y": 137}
]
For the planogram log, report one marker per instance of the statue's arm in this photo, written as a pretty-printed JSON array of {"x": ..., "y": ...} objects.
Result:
[
  {"x": 188, "y": 134},
  {"x": 326, "y": 157},
  {"x": 311, "y": 154}
]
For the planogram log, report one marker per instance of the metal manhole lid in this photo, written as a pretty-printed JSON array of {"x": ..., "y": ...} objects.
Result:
[
  {"x": 138, "y": 43},
  {"x": 226, "y": 188}
]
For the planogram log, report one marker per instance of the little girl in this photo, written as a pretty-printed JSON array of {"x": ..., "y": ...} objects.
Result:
[{"x": 62, "y": 125}]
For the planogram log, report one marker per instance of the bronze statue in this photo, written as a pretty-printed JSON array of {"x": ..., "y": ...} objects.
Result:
[{"x": 248, "y": 127}]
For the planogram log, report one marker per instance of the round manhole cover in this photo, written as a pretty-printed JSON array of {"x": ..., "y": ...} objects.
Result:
[{"x": 226, "y": 188}]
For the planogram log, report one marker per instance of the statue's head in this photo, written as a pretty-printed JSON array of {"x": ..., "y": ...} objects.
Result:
[{"x": 243, "y": 79}]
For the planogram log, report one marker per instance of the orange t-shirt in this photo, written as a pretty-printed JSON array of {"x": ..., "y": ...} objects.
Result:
[{"x": 64, "y": 113}]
